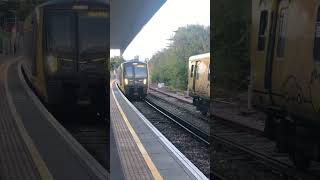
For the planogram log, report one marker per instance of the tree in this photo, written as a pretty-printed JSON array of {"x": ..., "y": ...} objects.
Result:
[
  {"x": 231, "y": 39},
  {"x": 171, "y": 64},
  {"x": 115, "y": 62}
]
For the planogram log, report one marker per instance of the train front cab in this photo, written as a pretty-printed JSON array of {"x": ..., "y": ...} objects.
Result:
[
  {"x": 199, "y": 81},
  {"x": 285, "y": 66},
  {"x": 68, "y": 54},
  {"x": 133, "y": 78}
]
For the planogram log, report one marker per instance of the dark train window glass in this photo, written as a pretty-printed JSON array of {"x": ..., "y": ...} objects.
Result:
[
  {"x": 60, "y": 32},
  {"x": 140, "y": 71},
  {"x": 93, "y": 33},
  {"x": 316, "y": 47},
  {"x": 192, "y": 69},
  {"x": 128, "y": 71},
  {"x": 282, "y": 32},
  {"x": 262, "y": 30},
  {"x": 209, "y": 72}
]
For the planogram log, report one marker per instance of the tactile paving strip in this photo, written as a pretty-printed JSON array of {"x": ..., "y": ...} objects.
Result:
[
  {"x": 15, "y": 160},
  {"x": 133, "y": 164}
]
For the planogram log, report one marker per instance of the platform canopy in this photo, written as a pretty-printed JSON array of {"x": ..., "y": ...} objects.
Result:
[{"x": 127, "y": 19}]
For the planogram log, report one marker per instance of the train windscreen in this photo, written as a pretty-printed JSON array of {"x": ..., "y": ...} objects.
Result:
[
  {"x": 93, "y": 33},
  {"x": 128, "y": 71},
  {"x": 140, "y": 71},
  {"x": 60, "y": 32}
]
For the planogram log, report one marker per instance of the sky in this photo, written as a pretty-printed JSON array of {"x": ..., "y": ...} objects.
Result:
[{"x": 155, "y": 34}]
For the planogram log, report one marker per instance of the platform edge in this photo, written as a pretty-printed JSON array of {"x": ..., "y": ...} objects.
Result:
[
  {"x": 90, "y": 162},
  {"x": 184, "y": 160}
]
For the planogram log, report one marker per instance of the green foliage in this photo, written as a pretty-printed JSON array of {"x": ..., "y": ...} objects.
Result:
[
  {"x": 231, "y": 38},
  {"x": 171, "y": 64},
  {"x": 115, "y": 62}
]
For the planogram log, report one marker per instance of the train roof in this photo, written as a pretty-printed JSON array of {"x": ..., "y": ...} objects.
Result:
[
  {"x": 134, "y": 61},
  {"x": 68, "y": 2},
  {"x": 199, "y": 56}
]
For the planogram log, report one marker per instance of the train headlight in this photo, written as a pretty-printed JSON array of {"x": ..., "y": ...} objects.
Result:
[
  {"x": 145, "y": 81},
  {"x": 126, "y": 81},
  {"x": 52, "y": 64}
]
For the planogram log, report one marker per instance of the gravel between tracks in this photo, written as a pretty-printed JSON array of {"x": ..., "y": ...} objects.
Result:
[
  {"x": 176, "y": 102},
  {"x": 182, "y": 110},
  {"x": 197, "y": 152}
]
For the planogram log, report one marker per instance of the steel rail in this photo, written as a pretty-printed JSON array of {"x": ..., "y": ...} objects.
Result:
[
  {"x": 202, "y": 136},
  {"x": 282, "y": 167},
  {"x": 217, "y": 176}
]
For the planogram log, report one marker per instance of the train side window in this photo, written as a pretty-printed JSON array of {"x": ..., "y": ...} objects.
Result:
[
  {"x": 209, "y": 72},
  {"x": 282, "y": 32},
  {"x": 316, "y": 47},
  {"x": 192, "y": 70},
  {"x": 262, "y": 30}
]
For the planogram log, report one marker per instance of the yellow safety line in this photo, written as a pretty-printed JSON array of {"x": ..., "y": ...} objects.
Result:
[
  {"x": 35, "y": 154},
  {"x": 143, "y": 151}
]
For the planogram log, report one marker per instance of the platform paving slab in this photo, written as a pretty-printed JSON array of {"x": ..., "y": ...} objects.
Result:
[
  {"x": 15, "y": 159},
  {"x": 132, "y": 162}
]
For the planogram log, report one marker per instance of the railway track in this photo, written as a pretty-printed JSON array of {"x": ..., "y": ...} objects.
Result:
[
  {"x": 216, "y": 176},
  {"x": 182, "y": 105},
  {"x": 258, "y": 149},
  {"x": 195, "y": 131},
  {"x": 181, "y": 111},
  {"x": 191, "y": 144}
]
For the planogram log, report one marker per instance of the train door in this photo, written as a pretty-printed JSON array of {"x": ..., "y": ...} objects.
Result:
[
  {"x": 280, "y": 44},
  {"x": 202, "y": 82},
  {"x": 195, "y": 75},
  {"x": 263, "y": 14},
  {"x": 190, "y": 76}
]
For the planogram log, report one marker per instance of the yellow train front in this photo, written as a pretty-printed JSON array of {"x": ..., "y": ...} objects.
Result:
[
  {"x": 199, "y": 81},
  {"x": 67, "y": 48},
  {"x": 133, "y": 79},
  {"x": 285, "y": 74}
]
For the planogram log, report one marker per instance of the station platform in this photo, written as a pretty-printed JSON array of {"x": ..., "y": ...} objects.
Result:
[
  {"x": 33, "y": 145},
  {"x": 144, "y": 153}
]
